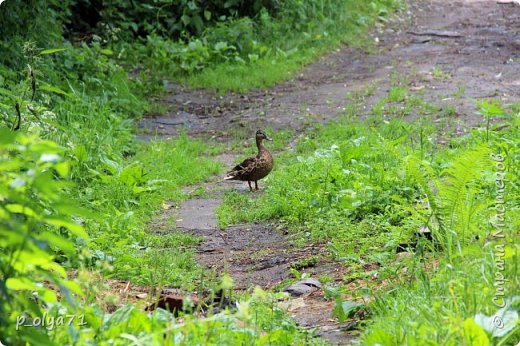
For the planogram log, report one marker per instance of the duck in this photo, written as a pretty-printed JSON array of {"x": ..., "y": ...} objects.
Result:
[{"x": 255, "y": 167}]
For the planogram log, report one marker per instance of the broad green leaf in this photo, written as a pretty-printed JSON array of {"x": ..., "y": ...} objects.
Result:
[
  {"x": 331, "y": 292},
  {"x": 12, "y": 164},
  {"x": 134, "y": 26},
  {"x": 185, "y": 19},
  {"x": 38, "y": 258},
  {"x": 81, "y": 153},
  {"x": 45, "y": 147},
  {"x": 46, "y": 184},
  {"x": 3, "y": 214},
  {"x": 73, "y": 287},
  {"x": 21, "y": 283},
  {"x": 120, "y": 316},
  {"x": 220, "y": 45},
  {"x": 47, "y": 295},
  {"x": 52, "y": 51},
  {"x": 138, "y": 189},
  {"x": 58, "y": 241},
  {"x": 62, "y": 168},
  {"x": 65, "y": 207},
  {"x": 54, "y": 267},
  {"x": 132, "y": 174},
  {"x": 55, "y": 90},
  {"x": 74, "y": 228},
  {"x": 111, "y": 165},
  {"x": 344, "y": 309},
  {"x": 474, "y": 334},
  {"x": 12, "y": 237},
  {"x": 20, "y": 209}
]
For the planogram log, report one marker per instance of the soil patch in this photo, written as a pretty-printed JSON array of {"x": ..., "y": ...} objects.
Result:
[{"x": 253, "y": 254}]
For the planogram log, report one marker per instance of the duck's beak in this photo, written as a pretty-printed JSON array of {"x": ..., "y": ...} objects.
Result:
[{"x": 268, "y": 138}]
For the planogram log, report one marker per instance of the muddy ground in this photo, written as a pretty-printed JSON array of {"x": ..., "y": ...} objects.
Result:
[{"x": 453, "y": 52}]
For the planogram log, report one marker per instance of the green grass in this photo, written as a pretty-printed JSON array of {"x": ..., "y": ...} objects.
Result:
[
  {"x": 400, "y": 103},
  {"x": 361, "y": 186},
  {"x": 338, "y": 183},
  {"x": 132, "y": 195},
  {"x": 276, "y": 49},
  {"x": 256, "y": 321},
  {"x": 437, "y": 73},
  {"x": 228, "y": 77},
  {"x": 397, "y": 94},
  {"x": 440, "y": 305},
  {"x": 268, "y": 71}
]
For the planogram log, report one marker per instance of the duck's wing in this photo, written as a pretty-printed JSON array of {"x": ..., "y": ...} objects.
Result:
[{"x": 242, "y": 169}]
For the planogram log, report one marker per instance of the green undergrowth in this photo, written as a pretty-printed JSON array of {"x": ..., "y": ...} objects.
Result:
[
  {"x": 78, "y": 192},
  {"x": 77, "y": 196},
  {"x": 127, "y": 196},
  {"x": 228, "y": 77},
  {"x": 451, "y": 302},
  {"x": 277, "y": 65},
  {"x": 259, "y": 51},
  {"x": 256, "y": 321},
  {"x": 368, "y": 188}
]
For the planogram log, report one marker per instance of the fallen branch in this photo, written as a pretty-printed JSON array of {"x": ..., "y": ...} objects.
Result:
[
  {"x": 506, "y": 2},
  {"x": 170, "y": 123},
  {"x": 446, "y": 34}
]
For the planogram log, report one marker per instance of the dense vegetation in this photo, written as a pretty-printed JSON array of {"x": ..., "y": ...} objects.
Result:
[
  {"x": 377, "y": 190},
  {"x": 77, "y": 190}
]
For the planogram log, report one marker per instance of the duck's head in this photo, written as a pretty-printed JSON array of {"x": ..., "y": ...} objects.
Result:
[{"x": 260, "y": 135}]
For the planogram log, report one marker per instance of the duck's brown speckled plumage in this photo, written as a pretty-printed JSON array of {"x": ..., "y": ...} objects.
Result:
[{"x": 256, "y": 167}]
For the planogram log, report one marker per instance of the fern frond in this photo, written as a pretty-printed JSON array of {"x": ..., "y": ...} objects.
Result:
[{"x": 457, "y": 187}]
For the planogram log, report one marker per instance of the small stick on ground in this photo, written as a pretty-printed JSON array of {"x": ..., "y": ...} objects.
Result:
[{"x": 445, "y": 34}]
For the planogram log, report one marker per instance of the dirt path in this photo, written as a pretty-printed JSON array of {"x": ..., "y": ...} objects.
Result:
[
  {"x": 451, "y": 52},
  {"x": 481, "y": 56},
  {"x": 258, "y": 254}
]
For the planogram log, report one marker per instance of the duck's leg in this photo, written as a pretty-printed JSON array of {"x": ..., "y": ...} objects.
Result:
[
  {"x": 256, "y": 184},
  {"x": 250, "y": 188}
]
